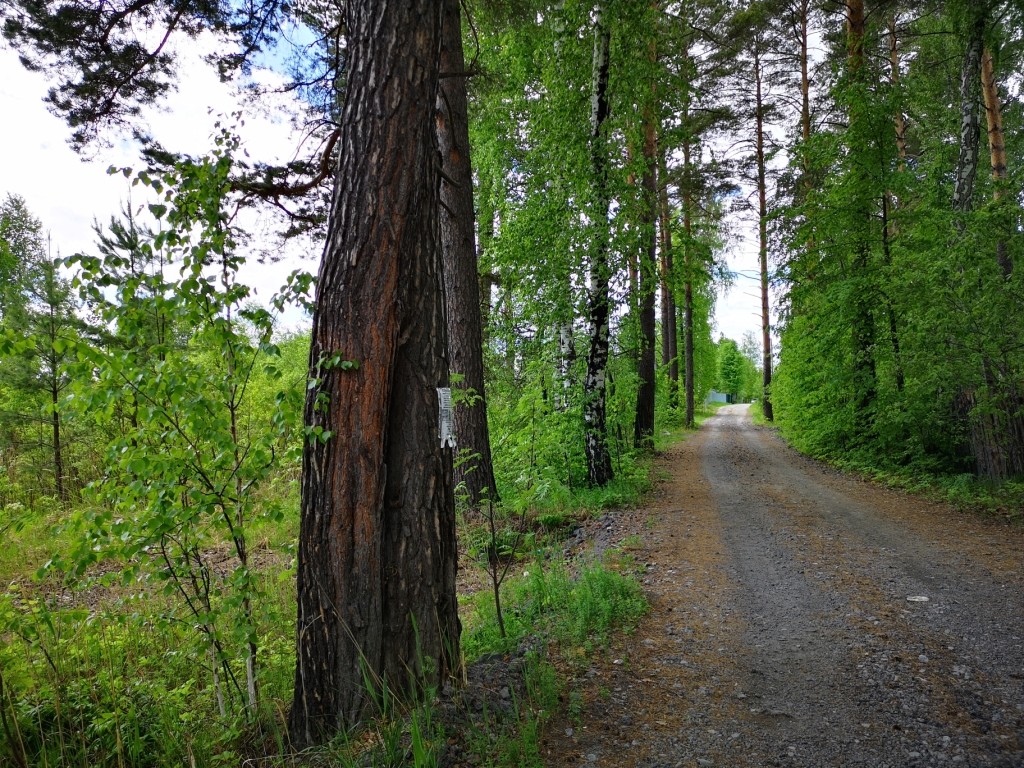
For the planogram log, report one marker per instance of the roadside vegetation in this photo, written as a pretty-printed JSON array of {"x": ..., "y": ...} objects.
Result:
[
  {"x": 156, "y": 423},
  {"x": 106, "y": 663},
  {"x": 148, "y": 617}
]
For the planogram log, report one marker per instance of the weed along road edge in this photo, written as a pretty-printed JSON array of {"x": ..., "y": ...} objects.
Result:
[{"x": 802, "y": 617}]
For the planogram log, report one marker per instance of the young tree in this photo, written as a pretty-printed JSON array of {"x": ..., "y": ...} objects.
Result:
[
  {"x": 40, "y": 312},
  {"x": 185, "y": 469}
]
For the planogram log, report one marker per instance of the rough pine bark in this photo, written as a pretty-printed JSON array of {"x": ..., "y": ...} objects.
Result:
[
  {"x": 996, "y": 146},
  {"x": 599, "y": 460},
  {"x": 377, "y": 558},
  {"x": 474, "y": 473}
]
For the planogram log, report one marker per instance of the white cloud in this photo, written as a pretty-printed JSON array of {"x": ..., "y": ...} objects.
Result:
[
  {"x": 60, "y": 188},
  {"x": 68, "y": 192}
]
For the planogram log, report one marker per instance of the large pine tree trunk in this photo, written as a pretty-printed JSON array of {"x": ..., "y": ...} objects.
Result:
[
  {"x": 58, "y": 453},
  {"x": 485, "y": 232},
  {"x": 800, "y": 12},
  {"x": 599, "y": 460},
  {"x": 970, "y": 129},
  {"x": 801, "y": 26},
  {"x": 804, "y": 11},
  {"x": 863, "y": 295},
  {"x": 899, "y": 121},
  {"x": 377, "y": 558},
  {"x": 690, "y": 267},
  {"x": 996, "y": 427},
  {"x": 889, "y": 228},
  {"x": 474, "y": 472}
]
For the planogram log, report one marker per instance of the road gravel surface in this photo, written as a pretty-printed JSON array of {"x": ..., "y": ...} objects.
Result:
[{"x": 801, "y": 617}]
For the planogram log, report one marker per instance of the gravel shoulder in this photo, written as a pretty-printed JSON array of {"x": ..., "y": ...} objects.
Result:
[{"x": 802, "y": 617}]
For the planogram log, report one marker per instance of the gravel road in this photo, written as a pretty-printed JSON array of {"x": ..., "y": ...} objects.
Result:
[{"x": 801, "y": 617}]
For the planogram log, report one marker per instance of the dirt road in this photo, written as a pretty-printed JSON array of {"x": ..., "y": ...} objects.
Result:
[{"x": 804, "y": 618}]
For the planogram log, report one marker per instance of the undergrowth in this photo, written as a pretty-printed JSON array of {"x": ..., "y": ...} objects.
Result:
[
  {"x": 931, "y": 479},
  {"x": 114, "y": 674},
  {"x": 1004, "y": 501},
  {"x": 546, "y": 601}
]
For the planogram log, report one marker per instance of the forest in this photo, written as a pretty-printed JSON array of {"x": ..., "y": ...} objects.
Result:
[{"x": 525, "y": 206}]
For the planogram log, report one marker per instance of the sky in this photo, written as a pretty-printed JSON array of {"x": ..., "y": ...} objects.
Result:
[{"x": 68, "y": 192}]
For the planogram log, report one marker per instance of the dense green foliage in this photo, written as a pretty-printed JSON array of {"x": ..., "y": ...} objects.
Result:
[
  {"x": 902, "y": 341},
  {"x": 161, "y": 629},
  {"x": 737, "y": 372},
  {"x": 151, "y": 417}
]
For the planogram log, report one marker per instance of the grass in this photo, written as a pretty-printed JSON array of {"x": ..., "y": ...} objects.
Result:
[
  {"x": 28, "y": 535},
  {"x": 1003, "y": 501},
  {"x": 115, "y": 675},
  {"x": 670, "y": 432},
  {"x": 757, "y": 414},
  {"x": 547, "y": 601}
]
